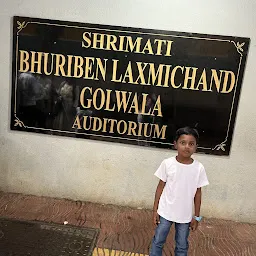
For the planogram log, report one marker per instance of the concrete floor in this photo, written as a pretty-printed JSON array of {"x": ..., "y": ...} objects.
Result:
[{"x": 127, "y": 231}]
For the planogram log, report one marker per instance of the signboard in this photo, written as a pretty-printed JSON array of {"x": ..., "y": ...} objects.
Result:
[{"x": 129, "y": 85}]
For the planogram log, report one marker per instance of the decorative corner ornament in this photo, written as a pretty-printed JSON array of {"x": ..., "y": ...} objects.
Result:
[
  {"x": 239, "y": 47},
  {"x": 220, "y": 146},
  {"x": 21, "y": 25},
  {"x": 19, "y": 123}
]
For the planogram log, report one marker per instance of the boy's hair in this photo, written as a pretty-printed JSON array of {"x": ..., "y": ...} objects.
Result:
[{"x": 187, "y": 131}]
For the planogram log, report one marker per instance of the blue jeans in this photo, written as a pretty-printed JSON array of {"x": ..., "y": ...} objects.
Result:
[{"x": 161, "y": 233}]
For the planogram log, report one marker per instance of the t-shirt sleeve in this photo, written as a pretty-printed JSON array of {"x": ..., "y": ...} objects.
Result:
[
  {"x": 202, "y": 181},
  {"x": 161, "y": 172}
]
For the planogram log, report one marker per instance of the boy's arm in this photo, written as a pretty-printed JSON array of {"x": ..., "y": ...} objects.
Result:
[
  {"x": 197, "y": 202},
  {"x": 158, "y": 194}
]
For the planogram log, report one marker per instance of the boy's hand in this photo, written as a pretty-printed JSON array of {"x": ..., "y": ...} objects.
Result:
[
  {"x": 193, "y": 225},
  {"x": 156, "y": 220}
]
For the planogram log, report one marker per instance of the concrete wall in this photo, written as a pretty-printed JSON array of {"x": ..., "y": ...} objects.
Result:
[{"x": 122, "y": 174}]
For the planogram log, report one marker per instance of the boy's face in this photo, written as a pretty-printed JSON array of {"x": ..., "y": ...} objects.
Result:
[{"x": 186, "y": 145}]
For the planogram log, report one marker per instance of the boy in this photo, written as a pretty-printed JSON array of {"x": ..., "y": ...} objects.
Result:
[{"x": 181, "y": 179}]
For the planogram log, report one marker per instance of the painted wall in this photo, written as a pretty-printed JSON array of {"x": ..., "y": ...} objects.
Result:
[{"x": 122, "y": 174}]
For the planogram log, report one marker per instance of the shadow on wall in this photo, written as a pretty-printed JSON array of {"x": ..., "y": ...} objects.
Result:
[{"x": 3, "y": 164}]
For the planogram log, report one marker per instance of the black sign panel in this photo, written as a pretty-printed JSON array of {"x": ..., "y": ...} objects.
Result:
[{"x": 128, "y": 85}]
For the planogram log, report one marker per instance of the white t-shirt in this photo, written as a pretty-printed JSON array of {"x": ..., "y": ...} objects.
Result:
[{"x": 182, "y": 181}]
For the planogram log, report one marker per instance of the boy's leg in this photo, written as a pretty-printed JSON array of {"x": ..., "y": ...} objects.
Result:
[
  {"x": 181, "y": 238},
  {"x": 161, "y": 233}
]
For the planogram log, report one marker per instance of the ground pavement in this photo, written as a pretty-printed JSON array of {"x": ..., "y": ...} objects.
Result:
[{"x": 128, "y": 231}]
